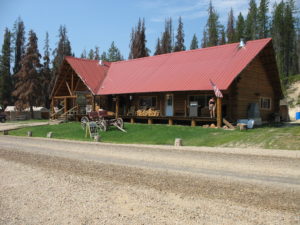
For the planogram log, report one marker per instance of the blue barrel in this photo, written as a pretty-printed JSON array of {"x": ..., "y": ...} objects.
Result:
[{"x": 297, "y": 115}]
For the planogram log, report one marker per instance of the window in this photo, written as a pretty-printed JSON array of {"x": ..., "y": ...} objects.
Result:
[
  {"x": 148, "y": 101},
  {"x": 201, "y": 99},
  {"x": 265, "y": 103}
]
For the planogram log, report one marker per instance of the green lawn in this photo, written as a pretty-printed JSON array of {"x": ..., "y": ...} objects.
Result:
[
  {"x": 27, "y": 121},
  {"x": 283, "y": 137}
]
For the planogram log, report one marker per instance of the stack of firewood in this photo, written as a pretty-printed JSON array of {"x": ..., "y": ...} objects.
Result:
[{"x": 149, "y": 112}]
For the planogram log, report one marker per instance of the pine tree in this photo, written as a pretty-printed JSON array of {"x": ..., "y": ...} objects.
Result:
[
  {"x": 222, "y": 37},
  {"x": 5, "y": 76},
  {"x": 63, "y": 49},
  {"x": 263, "y": 19},
  {"x": 28, "y": 86},
  {"x": 194, "y": 43},
  {"x": 104, "y": 57},
  {"x": 83, "y": 54},
  {"x": 179, "y": 44},
  {"x": 212, "y": 27},
  {"x": 91, "y": 54},
  {"x": 251, "y": 22},
  {"x": 114, "y": 54},
  {"x": 96, "y": 53},
  {"x": 230, "y": 28},
  {"x": 138, "y": 41},
  {"x": 166, "y": 40},
  {"x": 46, "y": 74},
  {"x": 204, "y": 42},
  {"x": 158, "y": 48},
  {"x": 284, "y": 37},
  {"x": 240, "y": 28},
  {"x": 19, "y": 43}
]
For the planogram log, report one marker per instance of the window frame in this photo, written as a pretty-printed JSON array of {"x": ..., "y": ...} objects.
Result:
[
  {"x": 261, "y": 103},
  {"x": 148, "y": 96},
  {"x": 207, "y": 97}
]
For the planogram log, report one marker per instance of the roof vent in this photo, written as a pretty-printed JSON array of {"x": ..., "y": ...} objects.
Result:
[
  {"x": 242, "y": 43},
  {"x": 101, "y": 62}
]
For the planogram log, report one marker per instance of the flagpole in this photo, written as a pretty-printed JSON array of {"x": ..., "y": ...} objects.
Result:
[{"x": 219, "y": 112}]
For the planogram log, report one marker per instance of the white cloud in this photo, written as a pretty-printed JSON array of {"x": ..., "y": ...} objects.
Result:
[{"x": 195, "y": 9}]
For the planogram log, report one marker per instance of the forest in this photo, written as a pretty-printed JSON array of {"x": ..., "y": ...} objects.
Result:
[{"x": 27, "y": 76}]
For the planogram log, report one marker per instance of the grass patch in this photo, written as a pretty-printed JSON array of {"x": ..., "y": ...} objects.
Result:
[
  {"x": 28, "y": 121},
  {"x": 265, "y": 137}
]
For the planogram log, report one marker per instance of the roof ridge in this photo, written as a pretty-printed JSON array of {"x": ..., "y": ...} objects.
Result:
[
  {"x": 188, "y": 51},
  {"x": 83, "y": 59}
]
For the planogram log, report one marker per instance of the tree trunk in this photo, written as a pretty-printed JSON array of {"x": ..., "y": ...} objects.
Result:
[{"x": 31, "y": 112}]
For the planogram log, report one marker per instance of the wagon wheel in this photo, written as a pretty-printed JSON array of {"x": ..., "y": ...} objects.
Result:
[
  {"x": 84, "y": 120},
  {"x": 102, "y": 124},
  {"x": 120, "y": 123}
]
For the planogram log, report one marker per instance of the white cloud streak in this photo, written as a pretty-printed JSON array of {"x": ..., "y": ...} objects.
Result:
[{"x": 195, "y": 9}]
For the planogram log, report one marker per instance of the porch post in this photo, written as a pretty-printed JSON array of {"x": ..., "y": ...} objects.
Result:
[
  {"x": 117, "y": 107},
  {"x": 52, "y": 106},
  {"x": 219, "y": 112},
  {"x": 65, "y": 104},
  {"x": 93, "y": 103}
]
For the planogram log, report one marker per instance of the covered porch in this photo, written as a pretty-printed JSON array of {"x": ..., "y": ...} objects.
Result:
[{"x": 167, "y": 108}]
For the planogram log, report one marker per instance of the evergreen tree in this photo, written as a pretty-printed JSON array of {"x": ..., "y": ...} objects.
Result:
[
  {"x": 96, "y": 53},
  {"x": 83, "y": 54},
  {"x": 240, "y": 28},
  {"x": 138, "y": 41},
  {"x": 194, "y": 43},
  {"x": 104, "y": 57},
  {"x": 212, "y": 27},
  {"x": 230, "y": 28},
  {"x": 204, "y": 43},
  {"x": 179, "y": 44},
  {"x": 28, "y": 86},
  {"x": 46, "y": 74},
  {"x": 114, "y": 54},
  {"x": 19, "y": 43},
  {"x": 63, "y": 49},
  {"x": 5, "y": 76},
  {"x": 158, "y": 48},
  {"x": 166, "y": 40},
  {"x": 263, "y": 19},
  {"x": 222, "y": 38},
  {"x": 251, "y": 22},
  {"x": 91, "y": 54},
  {"x": 285, "y": 38}
]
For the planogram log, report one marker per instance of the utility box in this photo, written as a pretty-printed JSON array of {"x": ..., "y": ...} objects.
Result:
[{"x": 194, "y": 109}]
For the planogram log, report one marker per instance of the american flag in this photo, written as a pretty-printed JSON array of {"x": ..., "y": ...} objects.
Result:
[{"x": 217, "y": 91}]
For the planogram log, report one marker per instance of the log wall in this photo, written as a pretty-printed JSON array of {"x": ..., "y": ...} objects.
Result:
[{"x": 249, "y": 87}]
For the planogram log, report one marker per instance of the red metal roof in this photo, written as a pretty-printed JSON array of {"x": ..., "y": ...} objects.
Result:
[
  {"x": 179, "y": 71},
  {"x": 90, "y": 71}
]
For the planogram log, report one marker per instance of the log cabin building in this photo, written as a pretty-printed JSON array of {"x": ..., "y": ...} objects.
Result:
[{"x": 173, "y": 87}]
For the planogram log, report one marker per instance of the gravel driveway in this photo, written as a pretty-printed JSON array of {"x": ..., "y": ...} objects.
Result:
[{"x": 63, "y": 182}]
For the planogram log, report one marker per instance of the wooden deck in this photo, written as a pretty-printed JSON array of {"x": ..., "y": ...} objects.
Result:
[
  {"x": 169, "y": 119},
  {"x": 163, "y": 119}
]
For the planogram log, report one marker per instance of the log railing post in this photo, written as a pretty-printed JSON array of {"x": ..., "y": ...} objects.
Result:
[
  {"x": 117, "y": 107},
  {"x": 219, "y": 112}
]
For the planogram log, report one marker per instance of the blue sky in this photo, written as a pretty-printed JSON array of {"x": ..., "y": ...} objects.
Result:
[{"x": 91, "y": 22}]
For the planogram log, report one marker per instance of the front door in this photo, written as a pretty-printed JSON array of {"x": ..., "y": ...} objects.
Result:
[{"x": 169, "y": 104}]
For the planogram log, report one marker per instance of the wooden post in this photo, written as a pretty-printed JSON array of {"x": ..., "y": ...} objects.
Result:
[
  {"x": 219, "y": 112},
  {"x": 93, "y": 103},
  {"x": 65, "y": 104},
  {"x": 52, "y": 106},
  {"x": 117, "y": 107},
  {"x": 150, "y": 121},
  {"x": 185, "y": 107},
  {"x": 193, "y": 123},
  {"x": 132, "y": 120},
  {"x": 170, "y": 122}
]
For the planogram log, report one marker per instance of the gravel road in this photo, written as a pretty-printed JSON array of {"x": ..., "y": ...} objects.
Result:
[{"x": 46, "y": 181}]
